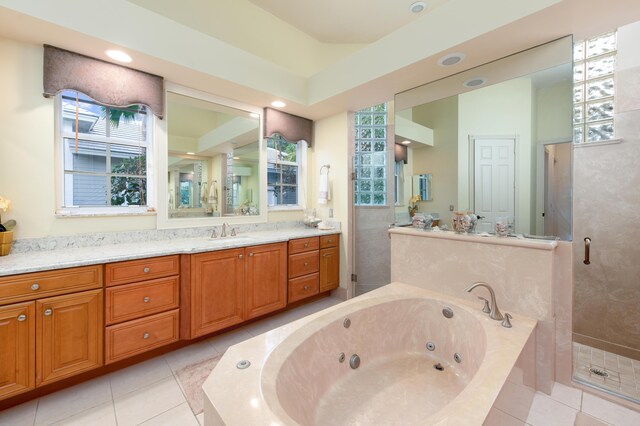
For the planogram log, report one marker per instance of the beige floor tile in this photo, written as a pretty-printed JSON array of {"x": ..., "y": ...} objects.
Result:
[
  {"x": 138, "y": 376},
  {"x": 500, "y": 418},
  {"x": 148, "y": 402},
  {"x": 567, "y": 395},
  {"x": 70, "y": 401},
  {"x": 222, "y": 342},
  {"x": 548, "y": 412},
  {"x": 101, "y": 415},
  {"x": 189, "y": 355},
  {"x": 609, "y": 412},
  {"x": 583, "y": 419},
  {"x": 177, "y": 416},
  {"x": 20, "y": 415}
]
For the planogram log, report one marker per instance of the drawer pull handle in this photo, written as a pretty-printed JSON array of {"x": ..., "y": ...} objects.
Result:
[
  {"x": 146, "y": 335},
  {"x": 146, "y": 299},
  {"x": 306, "y": 287},
  {"x": 146, "y": 270},
  {"x": 306, "y": 244},
  {"x": 325, "y": 255},
  {"x": 250, "y": 254},
  {"x": 22, "y": 317},
  {"x": 48, "y": 312},
  {"x": 35, "y": 286},
  {"x": 240, "y": 256}
]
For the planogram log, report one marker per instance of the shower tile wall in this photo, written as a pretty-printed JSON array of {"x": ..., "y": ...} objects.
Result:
[{"x": 607, "y": 209}]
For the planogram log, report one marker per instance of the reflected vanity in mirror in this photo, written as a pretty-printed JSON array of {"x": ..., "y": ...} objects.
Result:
[
  {"x": 214, "y": 162},
  {"x": 500, "y": 140},
  {"x": 421, "y": 186}
]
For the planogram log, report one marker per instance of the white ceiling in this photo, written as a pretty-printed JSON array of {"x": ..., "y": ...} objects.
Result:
[{"x": 346, "y": 21}]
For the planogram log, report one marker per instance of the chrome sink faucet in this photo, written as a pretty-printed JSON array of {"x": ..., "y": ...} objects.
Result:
[
  {"x": 494, "y": 312},
  {"x": 224, "y": 230}
]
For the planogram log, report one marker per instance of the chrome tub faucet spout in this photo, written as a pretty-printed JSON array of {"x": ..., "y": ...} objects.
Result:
[{"x": 494, "y": 312}]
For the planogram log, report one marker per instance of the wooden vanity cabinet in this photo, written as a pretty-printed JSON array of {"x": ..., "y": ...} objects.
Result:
[
  {"x": 142, "y": 306},
  {"x": 304, "y": 264},
  {"x": 329, "y": 262},
  {"x": 17, "y": 349},
  {"x": 228, "y": 287},
  {"x": 68, "y": 335}
]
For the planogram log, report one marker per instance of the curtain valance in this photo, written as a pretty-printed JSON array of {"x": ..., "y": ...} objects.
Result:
[{"x": 289, "y": 126}]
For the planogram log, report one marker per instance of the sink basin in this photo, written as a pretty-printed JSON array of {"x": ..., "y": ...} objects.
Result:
[{"x": 236, "y": 239}]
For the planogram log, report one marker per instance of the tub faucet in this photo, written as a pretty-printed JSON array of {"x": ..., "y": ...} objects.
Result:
[{"x": 494, "y": 312}]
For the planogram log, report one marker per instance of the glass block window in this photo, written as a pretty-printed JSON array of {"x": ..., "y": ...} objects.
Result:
[
  {"x": 594, "y": 63},
  {"x": 104, "y": 153},
  {"x": 370, "y": 160}
]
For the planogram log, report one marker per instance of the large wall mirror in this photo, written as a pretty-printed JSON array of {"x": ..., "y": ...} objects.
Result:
[
  {"x": 502, "y": 135},
  {"x": 212, "y": 163}
]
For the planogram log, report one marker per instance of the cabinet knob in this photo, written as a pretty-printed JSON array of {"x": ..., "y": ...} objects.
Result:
[
  {"x": 325, "y": 255},
  {"x": 22, "y": 317},
  {"x": 306, "y": 263},
  {"x": 306, "y": 244},
  {"x": 250, "y": 254},
  {"x": 35, "y": 286},
  {"x": 48, "y": 312},
  {"x": 330, "y": 241},
  {"x": 306, "y": 287},
  {"x": 146, "y": 270},
  {"x": 146, "y": 299},
  {"x": 146, "y": 335},
  {"x": 240, "y": 256}
]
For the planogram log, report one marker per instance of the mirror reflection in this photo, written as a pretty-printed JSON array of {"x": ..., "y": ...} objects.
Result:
[
  {"x": 497, "y": 150},
  {"x": 213, "y": 159},
  {"x": 422, "y": 187}
]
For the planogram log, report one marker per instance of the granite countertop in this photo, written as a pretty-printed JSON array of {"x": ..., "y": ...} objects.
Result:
[{"x": 36, "y": 261}]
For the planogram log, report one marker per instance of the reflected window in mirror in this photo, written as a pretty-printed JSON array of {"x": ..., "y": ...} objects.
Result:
[
  {"x": 213, "y": 158},
  {"x": 284, "y": 172}
]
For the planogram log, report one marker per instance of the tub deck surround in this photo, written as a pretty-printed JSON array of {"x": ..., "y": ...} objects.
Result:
[
  {"x": 295, "y": 376},
  {"x": 138, "y": 247}
]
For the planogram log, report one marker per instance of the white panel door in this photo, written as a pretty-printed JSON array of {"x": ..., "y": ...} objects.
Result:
[{"x": 494, "y": 180}]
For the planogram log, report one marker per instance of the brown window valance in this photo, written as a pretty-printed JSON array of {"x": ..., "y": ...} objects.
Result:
[
  {"x": 289, "y": 126},
  {"x": 110, "y": 84}
]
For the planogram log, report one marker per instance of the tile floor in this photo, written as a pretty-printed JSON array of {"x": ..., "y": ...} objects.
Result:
[
  {"x": 149, "y": 393},
  {"x": 623, "y": 374}
]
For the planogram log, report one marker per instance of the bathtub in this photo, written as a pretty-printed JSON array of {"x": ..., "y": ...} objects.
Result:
[{"x": 388, "y": 357}]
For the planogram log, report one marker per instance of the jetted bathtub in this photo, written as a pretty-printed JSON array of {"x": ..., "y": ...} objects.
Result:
[{"x": 389, "y": 357}]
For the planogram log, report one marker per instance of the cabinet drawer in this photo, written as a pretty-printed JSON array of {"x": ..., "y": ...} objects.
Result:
[
  {"x": 329, "y": 240},
  {"x": 141, "y": 335},
  {"x": 143, "y": 269},
  {"x": 303, "y": 287},
  {"x": 132, "y": 301},
  {"x": 302, "y": 245},
  {"x": 303, "y": 264},
  {"x": 16, "y": 288}
]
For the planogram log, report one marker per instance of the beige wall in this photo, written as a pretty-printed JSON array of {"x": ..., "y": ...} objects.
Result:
[
  {"x": 27, "y": 164},
  {"x": 441, "y": 160}
]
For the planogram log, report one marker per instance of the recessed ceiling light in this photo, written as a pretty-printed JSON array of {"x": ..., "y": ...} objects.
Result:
[
  {"x": 254, "y": 115},
  {"x": 405, "y": 142},
  {"x": 191, "y": 153},
  {"x": 475, "y": 82},
  {"x": 118, "y": 55},
  {"x": 278, "y": 104},
  {"x": 417, "y": 7},
  {"x": 451, "y": 59}
]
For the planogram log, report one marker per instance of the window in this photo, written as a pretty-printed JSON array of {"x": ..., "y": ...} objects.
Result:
[
  {"x": 593, "y": 94},
  {"x": 103, "y": 153},
  {"x": 371, "y": 156},
  {"x": 283, "y": 171}
]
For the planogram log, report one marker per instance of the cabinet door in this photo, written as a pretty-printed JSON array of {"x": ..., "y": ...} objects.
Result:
[
  {"x": 266, "y": 279},
  {"x": 17, "y": 349},
  {"x": 329, "y": 269},
  {"x": 217, "y": 290},
  {"x": 69, "y": 335}
]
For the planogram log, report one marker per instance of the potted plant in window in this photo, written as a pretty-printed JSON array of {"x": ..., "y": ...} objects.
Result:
[{"x": 6, "y": 228}]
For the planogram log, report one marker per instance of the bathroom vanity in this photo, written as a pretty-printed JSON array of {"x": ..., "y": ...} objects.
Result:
[{"x": 119, "y": 305}]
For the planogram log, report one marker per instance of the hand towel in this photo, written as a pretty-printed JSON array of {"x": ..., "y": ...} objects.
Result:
[
  {"x": 213, "y": 194},
  {"x": 324, "y": 194}
]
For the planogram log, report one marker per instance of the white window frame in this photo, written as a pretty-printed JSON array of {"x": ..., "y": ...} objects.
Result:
[
  {"x": 84, "y": 211},
  {"x": 301, "y": 163}
]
